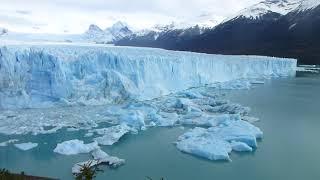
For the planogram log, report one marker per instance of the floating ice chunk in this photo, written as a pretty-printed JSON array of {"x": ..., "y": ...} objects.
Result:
[
  {"x": 240, "y": 131},
  {"x": 89, "y": 134},
  {"x": 26, "y": 146},
  {"x": 240, "y": 146},
  {"x": 74, "y": 147},
  {"x": 99, "y": 157},
  {"x": 6, "y": 143},
  {"x": 72, "y": 129},
  {"x": 200, "y": 143},
  {"x": 250, "y": 119},
  {"x": 217, "y": 142},
  {"x": 112, "y": 134}
]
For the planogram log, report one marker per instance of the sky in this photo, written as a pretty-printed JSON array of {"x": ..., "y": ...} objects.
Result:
[{"x": 75, "y": 16}]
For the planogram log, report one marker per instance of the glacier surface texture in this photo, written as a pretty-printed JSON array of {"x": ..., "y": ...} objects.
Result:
[{"x": 49, "y": 75}]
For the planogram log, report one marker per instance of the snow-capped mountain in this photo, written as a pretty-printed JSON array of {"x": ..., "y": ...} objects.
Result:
[
  {"x": 110, "y": 34},
  {"x": 96, "y": 34},
  {"x": 285, "y": 28},
  {"x": 256, "y": 11},
  {"x": 119, "y": 30}
]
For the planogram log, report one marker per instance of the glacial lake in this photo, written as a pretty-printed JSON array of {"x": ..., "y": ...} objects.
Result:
[{"x": 289, "y": 113}]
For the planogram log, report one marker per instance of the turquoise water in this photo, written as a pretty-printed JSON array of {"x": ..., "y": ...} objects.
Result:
[{"x": 290, "y": 119}]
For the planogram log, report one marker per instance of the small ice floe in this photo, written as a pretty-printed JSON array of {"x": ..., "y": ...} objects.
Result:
[
  {"x": 250, "y": 119},
  {"x": 99, "y": 157},
  {"x": 72, "y": 129},
  {"x": 257, "y": 82},
  {"x": 89, "y": 134},
  {"x": 26, "y": 146},
  {"x": 216, "y": 143},
  {"x": 6, "y": 143},
  {"x": 112, "y": 134},
  {"x": 74, "y": 147}
]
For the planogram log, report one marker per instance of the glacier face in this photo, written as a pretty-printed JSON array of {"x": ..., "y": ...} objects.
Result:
[{"x": 46, "y": 75}]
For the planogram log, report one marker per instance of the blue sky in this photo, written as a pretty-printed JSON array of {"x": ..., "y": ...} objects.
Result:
[{"x": 74, "y": 16}]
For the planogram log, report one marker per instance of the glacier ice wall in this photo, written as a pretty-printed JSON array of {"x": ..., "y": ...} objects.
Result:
[{"x": 48, "y": 75}]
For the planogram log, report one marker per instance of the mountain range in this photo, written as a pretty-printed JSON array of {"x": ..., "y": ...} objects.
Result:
[
  {"x": 284, "y": 28},
  {"x": 94, "y": 34}
]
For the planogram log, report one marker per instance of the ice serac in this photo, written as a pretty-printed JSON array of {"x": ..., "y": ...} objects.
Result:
[{"x": 49, "y": 75}]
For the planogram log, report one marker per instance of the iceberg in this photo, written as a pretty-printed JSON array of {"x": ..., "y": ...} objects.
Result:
[
  {"x": 216, "y": 143},
  {"x": 26, "y": 146},
  {"x": 200, "y": 143},
  {"x": 74, "y": 147},
  {"x": 46, "y": 75}
]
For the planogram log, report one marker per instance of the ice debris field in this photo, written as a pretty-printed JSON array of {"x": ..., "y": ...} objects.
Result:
[{"x": 45, "y": 88}]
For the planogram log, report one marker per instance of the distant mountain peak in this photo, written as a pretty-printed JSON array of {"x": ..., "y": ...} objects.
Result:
[
  {"x": 255, "y": 11},
  {"x": 94, "y": 27},
  {"x": 119, "y": 30},
  {"x": 119, "y": 25},
  {"x": 96, "y": 34}
]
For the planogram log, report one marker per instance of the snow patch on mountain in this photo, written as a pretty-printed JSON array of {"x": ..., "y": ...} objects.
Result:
[
  {"x": 308, "y": 4},
  {"x": 255, "y": 11}
]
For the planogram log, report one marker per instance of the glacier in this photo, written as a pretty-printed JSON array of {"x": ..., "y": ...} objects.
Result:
[
  {"x": 47, "y": 75},
  {"x": 110, "y": 92}
]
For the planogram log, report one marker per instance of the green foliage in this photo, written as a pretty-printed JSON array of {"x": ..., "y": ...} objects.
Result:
[{"x": 87, "y": 172}]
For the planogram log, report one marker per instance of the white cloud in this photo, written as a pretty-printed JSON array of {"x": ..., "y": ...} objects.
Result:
[{"x": 74, "y": 16}]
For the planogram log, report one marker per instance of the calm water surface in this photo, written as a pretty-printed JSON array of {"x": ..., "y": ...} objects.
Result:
[{"x": 289, "y": 110}]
